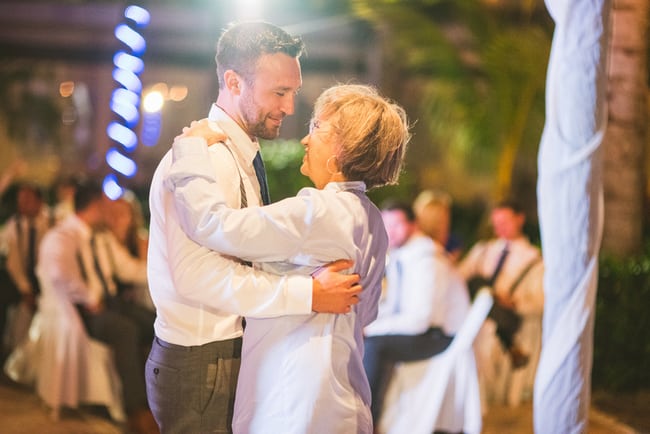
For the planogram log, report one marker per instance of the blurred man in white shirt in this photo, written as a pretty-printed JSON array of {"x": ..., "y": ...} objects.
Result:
[
  {"x": 509, "y": 344},
  {"x": 425, "y": 303}
]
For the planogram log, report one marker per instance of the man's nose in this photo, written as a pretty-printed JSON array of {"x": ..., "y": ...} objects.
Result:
[{"x": 288, "y": 104}]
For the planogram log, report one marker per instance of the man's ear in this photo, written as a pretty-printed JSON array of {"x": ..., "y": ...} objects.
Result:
[{"x": 232, "y": 81}]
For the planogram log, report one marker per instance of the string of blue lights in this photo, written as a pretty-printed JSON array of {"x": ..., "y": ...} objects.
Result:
[{"x": 125, "y": 100}]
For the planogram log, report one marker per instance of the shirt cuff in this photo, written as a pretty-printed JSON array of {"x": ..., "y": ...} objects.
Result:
[
  {"x": 299, "y": 295},
  {"x": 372, "y": 330}
]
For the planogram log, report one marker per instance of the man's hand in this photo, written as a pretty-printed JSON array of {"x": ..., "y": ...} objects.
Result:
[
  {"x": 30, "y": 301},
  {"x": 334, "y": 292},
  {"x": 203, "y": 128},
  {"x": 94, "y": 308},
  {"x": 505, "y": 300}
]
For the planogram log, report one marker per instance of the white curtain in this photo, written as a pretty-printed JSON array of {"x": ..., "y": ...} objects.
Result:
[{"x": 571, "y": 211}]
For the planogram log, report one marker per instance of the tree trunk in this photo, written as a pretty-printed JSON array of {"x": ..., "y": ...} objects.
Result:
[{"x": 626, "y": 137}]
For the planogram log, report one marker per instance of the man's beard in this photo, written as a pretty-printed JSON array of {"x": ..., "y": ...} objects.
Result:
[
  {"x": 255, "y": 121},
  {"x": 260, "y": 130}
]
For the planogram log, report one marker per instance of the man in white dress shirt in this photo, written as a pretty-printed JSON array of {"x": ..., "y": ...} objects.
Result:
[
  {"x": 79, "y": 261},
  {"x": 22, "y": 235},
  {"x": 513, "y": 267},
  {"x": 424, "y": 306},
  {"x": 200, "y": 295}
]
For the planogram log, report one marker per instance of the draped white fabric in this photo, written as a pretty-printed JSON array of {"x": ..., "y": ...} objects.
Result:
[
  {"x": 440, "y": 393},
  {"x": 571, "y": 211}
]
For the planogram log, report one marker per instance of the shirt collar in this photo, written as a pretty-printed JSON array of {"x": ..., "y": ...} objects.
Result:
[
  {"x": 238, "y": 137},
  {"x": 515, "y": 241},
  {"x": 346, "y": 186}
]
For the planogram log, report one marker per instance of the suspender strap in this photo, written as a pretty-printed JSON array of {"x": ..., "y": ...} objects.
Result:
[
  {"x": 242, "y": 190},
  {"x": 523, "y": 274}
]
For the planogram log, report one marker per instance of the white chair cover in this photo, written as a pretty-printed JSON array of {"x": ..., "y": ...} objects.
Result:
[
  {"x": 440, "y": 393},
  {"x": 67, "y": 366}
]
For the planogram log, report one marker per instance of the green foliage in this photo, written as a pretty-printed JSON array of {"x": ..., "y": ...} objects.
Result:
[
  {"x": 282, "y": 160},
  {"x": 473, "y": 76},
  {"x": 621, "y": 339},
  {"x": 515, "y": 61},
  {"x": 405, "y": 190},
  {"x": 480, "y": 106}
]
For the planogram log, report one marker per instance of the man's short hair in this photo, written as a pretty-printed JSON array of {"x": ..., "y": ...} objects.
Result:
[
  {"x": 32, "y": 188},
  {"x": 87, "y": 192},
  {"x": 399, "y": 205},
  {"x": 510, "y": 203},
  {"x": 242, "y": 44}
]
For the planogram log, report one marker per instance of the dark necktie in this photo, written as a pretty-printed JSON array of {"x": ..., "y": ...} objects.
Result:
[
  {"x": 258, "y": 164},
  {"x": 98, "y": 268},
  {"x": 497, "y": 269},
  {"x": 31, "y": 257}
]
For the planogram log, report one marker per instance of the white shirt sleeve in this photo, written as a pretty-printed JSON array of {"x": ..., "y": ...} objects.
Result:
[
  {"x": 223, "y": 284},
  {"x": 209, "y": 279},
  {"x": 261, "y": 234},
  {"x": 59, "y": 265},
  {"x": 417, "y": 297}
]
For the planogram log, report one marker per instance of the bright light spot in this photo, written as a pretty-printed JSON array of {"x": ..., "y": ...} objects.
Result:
[
  {"x": 249, "y": 9},
  {"x": 111, "y": 188},
  {"x": 121, "y": 163},
  {"x": 153, "y": 102},
  {"x": 131, "y": 38},
  {"x": 122, "y": 135},
  {"x": 128, "y": 112},
  {"x": 178, "y": 93},
  {"x": 128, "y": 79},
  {"x": 161, "y": 88},
  {"x": 66, "y": 88},
  {"x": 126, "y": 96},
  {"x": 139, "y": 15},
  {"x": 126, "y": 61}
]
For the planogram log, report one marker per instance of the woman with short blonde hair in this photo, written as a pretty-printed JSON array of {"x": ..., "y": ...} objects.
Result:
[
  {"x": 372, "y": 132},
  {"x": 304, "y": 373}
]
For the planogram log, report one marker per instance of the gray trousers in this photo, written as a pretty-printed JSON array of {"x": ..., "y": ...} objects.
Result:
[{"x": 192, "y": 389}]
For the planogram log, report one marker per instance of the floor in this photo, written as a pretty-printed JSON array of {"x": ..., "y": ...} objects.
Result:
[
  {"x": 506, "y": 420},
  {"x": 22, "y": 412}
]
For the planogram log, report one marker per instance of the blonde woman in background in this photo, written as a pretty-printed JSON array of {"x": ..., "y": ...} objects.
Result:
[{"x": 433, "y": 213}]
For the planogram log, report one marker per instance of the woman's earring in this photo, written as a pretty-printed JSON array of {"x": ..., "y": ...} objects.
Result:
[{"x": 327, "y": 166}]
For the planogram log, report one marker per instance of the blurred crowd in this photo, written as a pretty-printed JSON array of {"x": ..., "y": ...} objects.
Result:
[
  {"x": 430, "y": 283},
  {"x": 73, "y": 270},
  {"x": 432, "y": 279}
]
